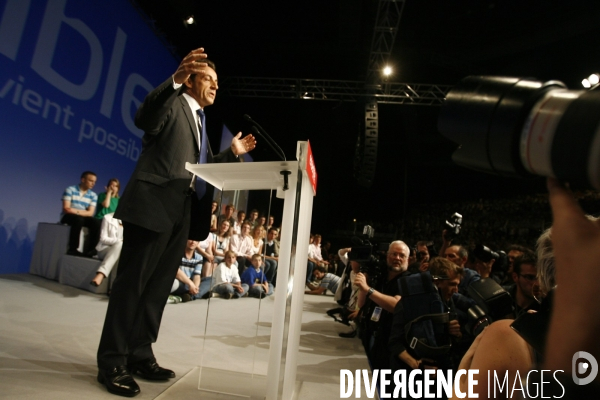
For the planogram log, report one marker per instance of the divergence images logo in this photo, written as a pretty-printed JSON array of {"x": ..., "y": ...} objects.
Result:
[{"x": 584, "y": 363}]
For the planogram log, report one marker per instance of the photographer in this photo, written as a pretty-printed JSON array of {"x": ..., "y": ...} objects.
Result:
[
  {"x": 446, "y": 277},
  {"x": 523, "y": 290},
  {"x": 383, "y": 297}
]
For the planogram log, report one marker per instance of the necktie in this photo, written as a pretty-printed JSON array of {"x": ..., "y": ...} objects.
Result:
[{"x": 202, "y": 159}]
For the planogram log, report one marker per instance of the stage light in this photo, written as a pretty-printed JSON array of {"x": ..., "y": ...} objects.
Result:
[
  {"x": 594, "y": 79},
  {"x": 387, "y": 71},
  {"x": 586, "y": 84},
  {"x": 189, "y": 20}
]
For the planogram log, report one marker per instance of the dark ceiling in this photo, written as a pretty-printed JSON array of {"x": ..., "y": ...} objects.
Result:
[{"x": 438, "y": 42}]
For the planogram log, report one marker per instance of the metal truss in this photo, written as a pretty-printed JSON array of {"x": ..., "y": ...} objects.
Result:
[
  {"x": 332, "y": 90},
  {"x": 387, "y": 21}
]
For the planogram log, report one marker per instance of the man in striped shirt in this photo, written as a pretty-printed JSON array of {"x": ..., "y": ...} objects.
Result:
[{"x": 79, "y": 207}]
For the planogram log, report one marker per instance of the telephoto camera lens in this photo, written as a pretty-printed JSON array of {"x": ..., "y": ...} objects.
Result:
[{"x": 524, "y": 127}]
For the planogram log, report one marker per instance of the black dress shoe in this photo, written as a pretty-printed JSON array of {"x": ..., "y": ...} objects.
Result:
[
  {"x": 119, "y": 381},
  {"x": 75, "y": 253},
  {"x": 150, "y": 370}
]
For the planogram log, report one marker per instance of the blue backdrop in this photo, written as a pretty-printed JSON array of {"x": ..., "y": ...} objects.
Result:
[{"x": 72, "y": 74}]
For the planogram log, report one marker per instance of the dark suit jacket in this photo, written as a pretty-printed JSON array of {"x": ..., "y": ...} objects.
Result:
[{"x": 156, "y": 194}]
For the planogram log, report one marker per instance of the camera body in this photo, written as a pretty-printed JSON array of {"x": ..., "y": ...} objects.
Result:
[
  {"x": 370, "y": 256},
  {"x": 493, "y": 303},
  {"x": 452, "y": 226}
]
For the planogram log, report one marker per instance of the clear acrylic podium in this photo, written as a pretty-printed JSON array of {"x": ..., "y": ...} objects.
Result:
[{"x": 291, "y": 272}]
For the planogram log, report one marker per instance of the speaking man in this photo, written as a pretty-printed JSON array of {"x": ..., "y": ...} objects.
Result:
[{"x": 160, "y": 211}]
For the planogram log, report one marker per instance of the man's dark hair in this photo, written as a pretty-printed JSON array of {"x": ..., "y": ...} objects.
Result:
[
  {"x": 273, "y": 229},
  {"x": 208, "y": 62},
  {"x": 517, "y": 247},
  {"x": 86, "y": 173},
  {"x": 320, "y": 269},
  {"x": 528, "y": 257}
]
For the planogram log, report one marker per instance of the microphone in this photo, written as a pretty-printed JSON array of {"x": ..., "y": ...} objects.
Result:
[{"x": 260, "y": 131}]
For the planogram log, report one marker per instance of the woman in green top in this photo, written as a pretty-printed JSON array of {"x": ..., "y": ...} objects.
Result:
[{"x": 108, "y": 201}]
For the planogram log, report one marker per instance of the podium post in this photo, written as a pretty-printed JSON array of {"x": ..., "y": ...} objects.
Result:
[{"x": 301, "y": 182}]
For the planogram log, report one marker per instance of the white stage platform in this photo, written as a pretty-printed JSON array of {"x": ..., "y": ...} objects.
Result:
[{"x": 49, "y": 334}]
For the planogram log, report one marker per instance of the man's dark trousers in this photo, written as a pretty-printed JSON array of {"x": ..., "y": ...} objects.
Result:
[
  {"x": 77, "y": 222},
  {"x": 136, "y": 314}
]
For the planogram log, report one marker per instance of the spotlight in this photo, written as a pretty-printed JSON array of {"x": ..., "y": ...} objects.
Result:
[
  {"x": 586, "y": 84},
  {"x": 594, "y": 79},
  {"x": 387, "y": 71},
  {"x": 189, "y": 20}
]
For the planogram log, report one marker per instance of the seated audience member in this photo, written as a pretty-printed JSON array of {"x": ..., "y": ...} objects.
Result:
[
  {"x": 328, "y": 281},
  {"x": 237, "y": 226},
  {"x": 228, "y": 216},
  {"x": 109, "y": 247},
  {"x": 314, "y": 257},
  {"x": 524, "y": 290},
  {"x": 262, "y": 220},
  {"x": 205, "y": 248},
  {"x": 256, "y": 280},
  {"x": 189, "y": 284},
  {"x": 241, "y": 245},
  {"x": 257, "y": 243},
  {"x": 227, "y": 282},
  {"x": 271, "y": 255},
  {"x": 220, "y": 242},
  {"x": 214, "y": 213},
  {"x": 109, "y": 200},
  {"x": 79, "y": 207},
  {"x": 252, "y": 218},
  {"x": 271, "y": 223}
]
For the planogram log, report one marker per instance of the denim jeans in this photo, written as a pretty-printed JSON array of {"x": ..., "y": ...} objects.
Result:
[{"x": 225, "y": 289}]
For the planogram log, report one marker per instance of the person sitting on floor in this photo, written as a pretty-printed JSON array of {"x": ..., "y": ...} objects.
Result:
[
  {"x": 109, "y": 247},
  {"x": 242, "y": 245},
  {"x": 328, "y": 281},
  {"x": 256, "y": 280},
  {"x": 227, "y": 282},
  {"x": 188, "y": 283},
  {"x": 205, "y": 248},
  {"x": 220, "y": 242}
]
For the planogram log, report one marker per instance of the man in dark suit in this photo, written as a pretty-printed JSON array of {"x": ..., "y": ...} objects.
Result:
[{"x": 160, "y": 211}]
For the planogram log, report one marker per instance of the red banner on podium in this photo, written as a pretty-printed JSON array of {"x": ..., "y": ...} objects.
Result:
[{"x": 311, "y": 169}]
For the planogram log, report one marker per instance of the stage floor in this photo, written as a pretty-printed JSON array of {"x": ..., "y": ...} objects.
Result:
[{"x": 49, "y": 334}]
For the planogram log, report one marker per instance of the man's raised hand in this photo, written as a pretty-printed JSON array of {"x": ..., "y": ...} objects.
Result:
[{"x": 191, "y": 64}]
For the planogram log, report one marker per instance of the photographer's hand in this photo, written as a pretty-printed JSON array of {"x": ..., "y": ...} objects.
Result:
[
  {"x": 445, "y": 244},
  {"x": 454, "y": 328},
  {"x": 409, "y": 360},
  {"x": 361, "y": 282},
  {"x": 576, "y": 242}
]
